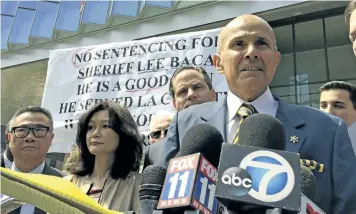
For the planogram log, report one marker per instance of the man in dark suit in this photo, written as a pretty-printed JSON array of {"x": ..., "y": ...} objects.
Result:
[
  {"x": 158, "y": 130},
  {"x": 247, "y": 56},
  {"x": 30, "y": 136},
  {"x": 6, "y": 157},
  {"x": 188, "y": 86}
]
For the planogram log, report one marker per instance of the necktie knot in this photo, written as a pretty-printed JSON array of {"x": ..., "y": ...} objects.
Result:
[{"x": 246, "y": 110}]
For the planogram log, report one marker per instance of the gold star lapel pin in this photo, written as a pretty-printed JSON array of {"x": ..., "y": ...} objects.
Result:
[{"x": 294, "y": 139}]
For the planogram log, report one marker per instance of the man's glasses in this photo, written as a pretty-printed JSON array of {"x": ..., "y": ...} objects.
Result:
[
  {"x": 158, "y": 134},
  {"x": 22, "y": 132}
]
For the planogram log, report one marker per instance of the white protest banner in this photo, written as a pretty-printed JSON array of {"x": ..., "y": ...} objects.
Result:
[{"x": 135, "y": 74}]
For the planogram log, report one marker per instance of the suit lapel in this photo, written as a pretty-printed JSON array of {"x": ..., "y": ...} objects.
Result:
[
  {"x": 38, "y": 211},
  {"x": 292, "y": 121},
  {"x": 289, "y": 115},
  {"x": 2, "y": 160},
  {"x": 217, "y": 117}
]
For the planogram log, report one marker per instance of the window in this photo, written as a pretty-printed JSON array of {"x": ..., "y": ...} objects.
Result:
[
  {"x": 45, "y": 19},
  {"x": 68, "y": 16},
  {"x": 336, "y": 31},
  {"x": 29, "y": 4},
  {"x": 309, "y": 35},
  {"x": 9, "y": 7},
  {"x": 22, "y": 26},
  {"x": 95, "y": 12},
  {"x": 125, "y": 8},
  {"x": 312, "y": 66},
  {"x": 308, "y": 94},
  {"x": 287, "y": 94},
  {"x": 342, "y": 62},
  {"x": 6, "y": 22}
]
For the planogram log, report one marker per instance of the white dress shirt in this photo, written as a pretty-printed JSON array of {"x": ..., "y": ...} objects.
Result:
[
  {"x": 7, "y": 162},
  {"x": 352, "y": 134},
  {"x": 29, "y": 208},
  {"x": 263, "y": 104}
]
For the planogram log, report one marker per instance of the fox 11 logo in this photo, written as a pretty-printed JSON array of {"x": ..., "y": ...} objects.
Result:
[{"x": 190, "y": 182}]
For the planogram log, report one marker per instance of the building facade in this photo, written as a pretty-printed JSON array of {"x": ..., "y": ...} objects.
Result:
[{"x": 311, "y": 35}]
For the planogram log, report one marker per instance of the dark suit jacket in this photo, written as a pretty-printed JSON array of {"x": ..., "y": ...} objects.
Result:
[
  {"x": 2, "y": 161},
  {"x": 322, "y": 137},
  {"x": 47, "y": 170},
  {"x": 152, "y": 153}
]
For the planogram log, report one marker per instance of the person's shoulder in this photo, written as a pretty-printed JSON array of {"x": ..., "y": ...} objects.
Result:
[
  {"x": 53, "y": 171},
  {"x": 208, "y": 106},
  {"x": 134, "y": 177},
  {"x": 316, "y": 115}
]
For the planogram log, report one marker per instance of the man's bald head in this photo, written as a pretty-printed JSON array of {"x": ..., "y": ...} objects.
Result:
[
  {"x": 249, "y": 20},
  {"x": 247, "y": 56},
  {"x": 159, "y": 125}
]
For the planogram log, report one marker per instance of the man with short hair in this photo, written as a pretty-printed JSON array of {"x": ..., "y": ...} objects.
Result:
[
  {"x": 30, "y": 136},
  {"x": 191, "y": 85},
  {"x": 188, "y": 86},
  {"x": 158, "y": 131},
  {"x": 339, "y": 98},
  {"x": 247, "y": 56},
  {"x": 350, "y": 18},
  {"x": 6, "y": 157}
]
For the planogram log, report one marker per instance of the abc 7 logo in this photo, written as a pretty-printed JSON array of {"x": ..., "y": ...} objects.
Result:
[{"x": 264, "y": 175}]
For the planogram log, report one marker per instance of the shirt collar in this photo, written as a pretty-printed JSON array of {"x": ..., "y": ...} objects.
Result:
[
  {"x": 7, "y": 163},
  {"x": 5, "y": 157},
  {"x": 263, "y": 104},
  {"x": 37, "y": 170},
  {"x": 352, "y": 127}
]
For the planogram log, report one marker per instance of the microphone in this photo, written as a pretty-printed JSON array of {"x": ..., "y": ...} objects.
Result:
[
  {"x": 191, "y": 175},
  {"x": 309, "y": 192},
  {"x": 263, "y": 131},
  {"x": 255, "y": 174},
  {"x": 308, "y": 183},
  {"x": 204, "y": 139},
  {"x": 150, "y": 188}
]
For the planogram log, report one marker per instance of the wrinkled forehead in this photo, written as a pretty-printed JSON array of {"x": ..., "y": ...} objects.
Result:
[
  {"x": 247, "y": 28},
  {"x": 161, "y": 122},
  {"x": 31, "y": 118}
]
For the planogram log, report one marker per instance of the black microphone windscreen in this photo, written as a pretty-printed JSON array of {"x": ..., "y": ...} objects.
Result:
[
  {"x": 203, "y": 138},
  {"x": 152, "y": 180},
  {"x": 262, "y": 130},
  {"x": 154, "y": 174},
  {"x": 308, "y": 183}
]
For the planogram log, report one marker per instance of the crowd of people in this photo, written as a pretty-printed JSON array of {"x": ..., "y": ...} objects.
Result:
[{"x": 105, "y": 163}]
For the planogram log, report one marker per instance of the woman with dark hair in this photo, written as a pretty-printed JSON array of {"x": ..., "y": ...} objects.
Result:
[{"x": 110, "y": 150}]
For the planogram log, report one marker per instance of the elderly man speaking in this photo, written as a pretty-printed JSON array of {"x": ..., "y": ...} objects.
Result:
[{"x": 247, "y": 56}]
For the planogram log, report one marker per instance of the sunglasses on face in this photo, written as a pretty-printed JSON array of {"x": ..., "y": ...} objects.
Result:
[{"x": 157, "y": 134}]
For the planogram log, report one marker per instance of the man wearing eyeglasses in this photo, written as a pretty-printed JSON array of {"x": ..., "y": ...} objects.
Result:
[
  {"x": 159, "y": 126},
  {"x": 30, "y": 136},
  {"x": 158, "y": 131},
  {"x": 6, "y": 158}
]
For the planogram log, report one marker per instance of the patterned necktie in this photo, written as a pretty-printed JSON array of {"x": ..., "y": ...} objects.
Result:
[{"x": 244, "y": 111}]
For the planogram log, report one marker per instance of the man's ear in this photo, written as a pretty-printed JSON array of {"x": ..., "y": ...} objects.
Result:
[
  {"x": 218, "y": 64},
  {"x": 8, "y": 137},
  {"x": 277, "y": 59},
  {"x": 174, "y": 103},
  {"x": 213, "y": 94}
]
